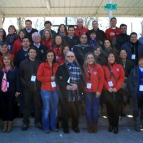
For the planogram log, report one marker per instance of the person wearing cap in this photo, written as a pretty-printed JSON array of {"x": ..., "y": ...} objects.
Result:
[
  {"x": 113, "y": 31},
  {"x": 48, "y": 25},
  {"x": 135, "y": 88}
]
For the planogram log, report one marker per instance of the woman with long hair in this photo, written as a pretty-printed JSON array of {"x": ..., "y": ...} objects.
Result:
[
  {"x": 62, "y": 30},
  {"x": 9, "y": 83},
  {"x": 2, "y": 35}
]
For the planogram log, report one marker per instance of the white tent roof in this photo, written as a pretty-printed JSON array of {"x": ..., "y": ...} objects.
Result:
[{"x": 69, "y": 8}]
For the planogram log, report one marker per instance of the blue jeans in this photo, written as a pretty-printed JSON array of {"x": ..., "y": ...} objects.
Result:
[
  {"x": 92, "y": 106},
  {"x": 50, "y": 102}
]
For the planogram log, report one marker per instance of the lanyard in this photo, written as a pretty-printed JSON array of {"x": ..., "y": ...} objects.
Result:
[{"x": 89, "y": 73}]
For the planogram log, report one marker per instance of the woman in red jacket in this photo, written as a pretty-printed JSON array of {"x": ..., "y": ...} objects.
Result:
[
  {"x": 18, "y": 43},
  {"x": 57, "y": 46},
  {"x": 47, "y": 38},
  {"x": 93, "y": 87},
  {"x": 114, "y": 78},
  {"x": 49, "y": 91}
]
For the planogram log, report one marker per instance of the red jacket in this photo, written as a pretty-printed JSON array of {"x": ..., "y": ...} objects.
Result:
[
  {"x": 79, "y": 32},
  {"x": 96, "y": 78},
  {"x": 119, "y": 74},
  {"x": 61, "y": 60},
  {"x": 44, "y": 74},
  {"x": 9, "y": 54},
  {"x": 112, "y": 33},
  {"x": 57, "y": 51},
  {"x": 47, "y": 43},
  {"x": 17, "y": 46}
]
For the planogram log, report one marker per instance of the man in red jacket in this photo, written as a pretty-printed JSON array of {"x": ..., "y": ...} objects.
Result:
[
  {"x": 113, "y": 31},
  {"x": 79, "y": 30}
]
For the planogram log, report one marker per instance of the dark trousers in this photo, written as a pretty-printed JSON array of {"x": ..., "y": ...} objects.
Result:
[
  {"x": 113, "y": 111},
  {"x": 28, "y": 97},
  {"x": 7, "y": 100},
  {"x": 69, "y": 109}
]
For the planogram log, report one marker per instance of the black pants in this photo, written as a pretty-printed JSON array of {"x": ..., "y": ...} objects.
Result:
[
  {"x": 30, "y": 96},
  {"x": 69, "y": 109},
  {"x": 7, "y": 100},
  {"x": 113, "y": 111}
]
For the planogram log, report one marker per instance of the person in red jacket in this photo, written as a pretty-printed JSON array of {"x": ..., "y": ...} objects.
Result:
[
  {"x": 114, "y": 77},
  {"x": 79, "y": 30},
  {"x": 4, "y": 50},
  {"x": 113, "y": 31},
  {"x": 57, "y": 46},
  {"x": 47, "y": 38},
  {"x": 65, "y": 49},
  {"x": 18, "y": 43},
  {"x": 49, "y": 91},
  {"x": 93, "y": 87}
]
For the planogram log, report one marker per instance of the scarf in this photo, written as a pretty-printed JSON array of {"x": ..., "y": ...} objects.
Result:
[
  {"x": 92, "y": 42},
  {"x": 4, "y": 83},
  {"x": 75, "y": 73}
]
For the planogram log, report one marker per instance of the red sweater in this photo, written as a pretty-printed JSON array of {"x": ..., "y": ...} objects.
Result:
[
  {"x": 17, "y": 46},
  {"x": 9, "y": 54},
  {"x": 47, "y": 43},
  {"x": 96, "y": 78},
  {"x": 112, "y": 33},
  {"x": 57, "y": 51},
  {"x": 79, "y": 32},
  {"x": 44, "y": 74},
  {"x": 118, "y": 72}
]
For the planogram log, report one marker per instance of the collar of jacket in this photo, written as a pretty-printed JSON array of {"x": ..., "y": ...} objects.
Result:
[{"x": 83, "y": 46}]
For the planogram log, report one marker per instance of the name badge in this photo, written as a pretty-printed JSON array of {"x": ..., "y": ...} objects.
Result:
[
  {"x": 7, "y": 84},
  {"x": 141, "y": 88},
  {"x": 42, "y": 51},
  {"x": 57, "y": 57},
  {"x": 33, "y": 78},
  {"x": 88, "y": 86},
  {"x": 110, "y": 83},
  {"x": 133, "y": 57},
  {"x": 53, "y": 84}
]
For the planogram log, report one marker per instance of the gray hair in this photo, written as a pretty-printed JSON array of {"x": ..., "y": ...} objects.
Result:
[{"x": 36, "y": 33}]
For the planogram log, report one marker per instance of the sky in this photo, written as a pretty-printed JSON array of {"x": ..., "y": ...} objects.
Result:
[{"x": 38, "y": 23}]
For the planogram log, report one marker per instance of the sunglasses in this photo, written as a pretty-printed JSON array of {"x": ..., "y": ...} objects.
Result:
[{"x": 70, "y": 56}]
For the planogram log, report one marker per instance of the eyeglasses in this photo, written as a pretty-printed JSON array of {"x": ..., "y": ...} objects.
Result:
[{"x": 70, "y": 56}]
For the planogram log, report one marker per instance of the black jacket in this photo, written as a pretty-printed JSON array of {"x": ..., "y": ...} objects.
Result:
[
  {"x": 28, "y": 68},
  {"x": 40, "y": 51},
  {"x": 71, "y": 42},
  {"x": 80, "y": 51},
  {"x": 29, "y": 35},
  {"x": 19, "y": 57},
  {"x": 100, "y": 34},
  {"x": 62, "y": 76},
  {"x": 128, "y": 66}
]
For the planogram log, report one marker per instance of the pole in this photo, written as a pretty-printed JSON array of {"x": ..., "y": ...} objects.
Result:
[
  {"x": 66, "y": 22},
  {"x": 1, "y": 20},
  {"x": 110, "y": 12}
]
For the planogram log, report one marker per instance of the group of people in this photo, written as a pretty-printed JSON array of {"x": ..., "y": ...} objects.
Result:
[{"x": 56, "y": 71}]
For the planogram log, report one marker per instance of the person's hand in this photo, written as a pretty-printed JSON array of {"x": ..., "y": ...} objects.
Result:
[
  {"x": 74, "y": 86},
  {"x": 110, "y": 89},
  {"x": 114, "y": 90},
  {"x": 52, "y": 78},
  {"x": 17, "y": 94},
  {"x": 97, "y": 94},
  {"x": 68, "y": 87}
]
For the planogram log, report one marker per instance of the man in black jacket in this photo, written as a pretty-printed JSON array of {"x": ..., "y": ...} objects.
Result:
[
  {"x": 71, "y": 39},
  {"x": 29, "y": 30},
  {"x": 99, "y": 33},
  {"x": 121, "y": 39},
  {"x": 41, "y": 49},
  {"x": 22, "y": 54},
  {"x": 31, "y": 87}
]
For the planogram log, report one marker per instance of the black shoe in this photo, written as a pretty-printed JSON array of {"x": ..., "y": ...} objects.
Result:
[
  {"x": 115, "y": 130},
  {"x": 20, "y": 115},
  {"x": 24, "y": 127},
  {"x": 123, "y": 115},
  {"x": 110, "y": 128},
  {"x": 76, "y": 130},
  {"x": 38, "y": 125},
  {"x": 33, "y": 114},
  {"x": 66, "y": 131}
]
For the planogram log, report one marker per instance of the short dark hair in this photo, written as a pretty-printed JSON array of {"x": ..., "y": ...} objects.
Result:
[
  {"x": 50, "y": 51},
  {"x": 140, "y": 57},
  {"x": 32, "y": 48},
  {"x": 94, "y": 21},
  {"x": 93, "y": 32},
  {"x": 28, "y": 20},
  {"x": 4, "y": 43},
  {"x": 133, "y": 33},
  {"x": 25, "y": 38},
  {"x": 47, "y": 22},
  {"x": 122, "y": 25},
  {"x": 70, "y": 26},
  {"x": 113, "y": 18}
]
